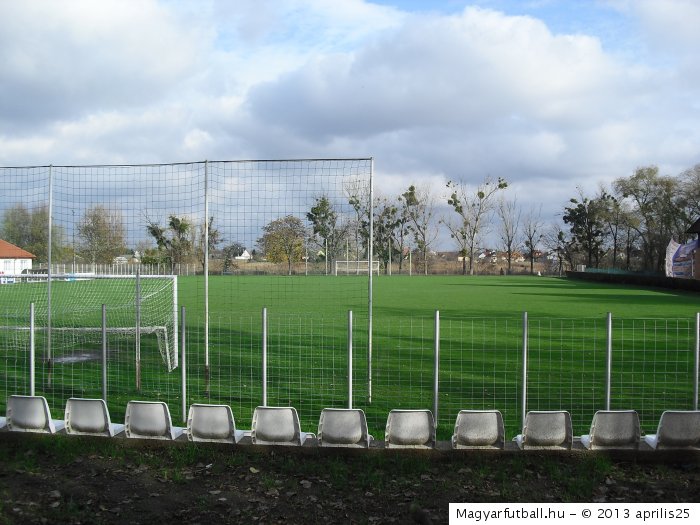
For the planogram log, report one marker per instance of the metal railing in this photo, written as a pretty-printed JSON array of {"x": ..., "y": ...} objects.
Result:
[{"x": 444, "y": 364}]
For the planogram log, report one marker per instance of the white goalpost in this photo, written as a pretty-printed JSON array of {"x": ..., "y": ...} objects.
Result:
[
  {"x": 136, "y": 305},
  {"x": 355, "y": 268}
]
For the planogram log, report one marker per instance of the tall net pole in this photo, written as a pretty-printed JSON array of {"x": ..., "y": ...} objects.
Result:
[
  {"x": 48, "y": 284},
  {"x": 370, "y": 282},
  {"x": 206, "y": 278},
  {"x": 137, "y": 304}
]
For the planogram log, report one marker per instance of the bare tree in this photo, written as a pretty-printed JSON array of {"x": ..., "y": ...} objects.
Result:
[
  {"x": 419, "y": 208},
  {"x": 532, "y": 232},
  {"x": 509, "y": 213},
  {"x": 357, "y": 192},
  {"x": 214, "y": 238},
  {"x": 474, "y": 209},
  {"x": 558, "y": 243},
  {"x": 690, "y": 186}
]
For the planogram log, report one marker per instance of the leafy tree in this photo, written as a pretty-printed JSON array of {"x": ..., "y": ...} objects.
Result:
[
  {"x": 324, "y": 220},
  {"x": 16, "y": 226},
  {"x": 283, "y": 241},
  {"x": 473, "y": 209},
  {"x": 230, "y": 253},
  {"x": 173, "y": 242},
  {"x": 585, "y": 220},
  {"x": 661, "y": 212},
  {"x": 151, "y": 256},
  {"x": 29, "y": 229},
  {"x": 101, "y": 233}
]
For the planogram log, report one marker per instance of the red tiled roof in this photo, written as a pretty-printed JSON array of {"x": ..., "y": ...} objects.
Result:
[{"x": 10, "y": 251}]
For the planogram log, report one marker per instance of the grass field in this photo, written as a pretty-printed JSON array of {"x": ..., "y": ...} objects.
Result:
[{"x": 481, "y": 344}]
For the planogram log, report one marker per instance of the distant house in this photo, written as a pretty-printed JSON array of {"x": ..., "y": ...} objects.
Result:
[
  {"x": 245, "y": 256},
  {"x": 128, "y": 258},
  {"x": 14, "y": 259}
]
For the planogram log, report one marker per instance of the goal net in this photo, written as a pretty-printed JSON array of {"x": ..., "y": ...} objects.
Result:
[
  {"x": 136, "y": 306},
  {"x": 355, "y": 268}
]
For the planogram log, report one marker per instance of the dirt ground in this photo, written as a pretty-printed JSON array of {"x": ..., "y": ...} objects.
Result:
[{"x": 60, "y": 479}]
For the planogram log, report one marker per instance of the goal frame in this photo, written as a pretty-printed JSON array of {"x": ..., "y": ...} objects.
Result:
[
  {"x": 170, "y": 355},
  {"x": 355, "y": 267}
]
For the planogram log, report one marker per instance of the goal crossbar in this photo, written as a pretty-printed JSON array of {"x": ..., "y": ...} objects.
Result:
[{"x": 350, "y": 267}]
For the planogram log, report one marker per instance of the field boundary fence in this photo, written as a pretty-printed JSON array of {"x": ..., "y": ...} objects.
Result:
[{"x": 444, "y": 364}]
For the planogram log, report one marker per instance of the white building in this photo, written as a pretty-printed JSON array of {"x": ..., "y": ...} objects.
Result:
[
  {"x": 245, "y": 256},
  {"x": 14, "y": 259}
]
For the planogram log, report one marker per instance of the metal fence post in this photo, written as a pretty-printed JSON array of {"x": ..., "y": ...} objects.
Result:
[
  {"x": 436, "y": 377},
  {"x": 104, "y": 352},
  {"x": 49, "y": 361},
  {"x": 608, "y": 360},
  {"x": 32, "y": 352},
  {"x": 697, "y": 361},
  {"x": 183, "y": 363},
  {"x": 349, "y": 358},
  {"x": 524, "y": 385},
  {"x": 264, "y": 357},
  {"x": 137, "y": 301},
  {"x": 206, "y": 277}
]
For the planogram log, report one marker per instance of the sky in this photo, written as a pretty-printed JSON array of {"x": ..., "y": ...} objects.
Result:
[{"x": 550, "y": 95}]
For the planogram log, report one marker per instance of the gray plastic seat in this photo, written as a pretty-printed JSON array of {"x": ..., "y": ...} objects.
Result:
[
  {"x": 410, "y": 429},
  {"x": 31, "y": 414},
  {"x": 150, "y": 420},
  {"x": 479, "y": 429},
  {"x": 277, "y": 426},
  {"x": 677, "y": 429},
  {"x": 89, "y": 417},
  {"x": 613, "y": 429},
  {"x": 343, "y": 427},
  {"x": 546, "y": 430},
  {"x": 213, "y": 423}
]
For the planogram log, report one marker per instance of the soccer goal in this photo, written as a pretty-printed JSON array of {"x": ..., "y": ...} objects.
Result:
[
  {"x": 136, "y": 305},
  {"x": 355, "y": 267}
]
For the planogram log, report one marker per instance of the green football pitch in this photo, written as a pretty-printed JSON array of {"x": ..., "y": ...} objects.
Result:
[
  {"x": 471, "y": 296},
  {"x": 481, "y": 343}
]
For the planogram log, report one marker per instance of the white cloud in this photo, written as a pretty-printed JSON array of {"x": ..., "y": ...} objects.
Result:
[
  {"x": 672, "y": 24},
  {"x": 196, "y": 140},
  {"x": 62, "y": 59},
  {"x": 481, "y": 82}
]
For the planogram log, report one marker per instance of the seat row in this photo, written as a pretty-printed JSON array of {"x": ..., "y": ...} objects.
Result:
[{"x": 474, "y": 429}]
